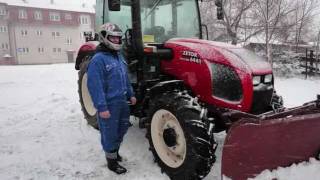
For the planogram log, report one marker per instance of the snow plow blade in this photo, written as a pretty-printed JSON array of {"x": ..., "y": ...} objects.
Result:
[{"x": 269, "y": 141}]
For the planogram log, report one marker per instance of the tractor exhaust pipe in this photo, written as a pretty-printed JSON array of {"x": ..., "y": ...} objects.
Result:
[
  {"x": 137, "y": 37},
  {"x": 136, "y": 28}
]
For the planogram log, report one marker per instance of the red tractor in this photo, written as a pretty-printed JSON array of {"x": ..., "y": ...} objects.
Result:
[{"x": 188, "y": 88}]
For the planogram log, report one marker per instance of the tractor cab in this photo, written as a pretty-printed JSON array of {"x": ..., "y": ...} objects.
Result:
[
  {"x": 161, "y": 20},
  {"x": 147, "y": 25}
]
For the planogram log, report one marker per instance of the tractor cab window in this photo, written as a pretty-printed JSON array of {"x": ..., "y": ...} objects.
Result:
[
  {"x": 161, "y": 20},
  {"x": 166, "y": 19}
]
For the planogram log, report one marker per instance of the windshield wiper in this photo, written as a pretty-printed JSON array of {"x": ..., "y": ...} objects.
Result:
[{"x": 152, "y": 9}]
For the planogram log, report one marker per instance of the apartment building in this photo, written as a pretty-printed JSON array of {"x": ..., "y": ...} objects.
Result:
[{"x": 43, "y": 31}]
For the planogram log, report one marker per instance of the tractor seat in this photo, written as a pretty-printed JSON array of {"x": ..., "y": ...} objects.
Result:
[{"x": 158, "y": 32}]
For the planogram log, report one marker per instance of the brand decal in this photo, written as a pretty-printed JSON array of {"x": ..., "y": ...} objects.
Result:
[
  {"x": 110, "y": 66},
  {"x": 190, "y": 57}
]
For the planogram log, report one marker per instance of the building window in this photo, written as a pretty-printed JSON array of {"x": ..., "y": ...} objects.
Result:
[
  {"x": 56, "y": 50},
  {"x": 54, "y": 16},
  {"x": 82, "y": 35},
  {"x": 84, "y": 20},
  {"x": 3, "y": 11},
  {"x": 55, "y": 34},
  {"x": 37, "y": 15},
  {"x": 39, "y": 33},
  {"x": 41, "y": 50},
  {"x": 3, "y": 29},
  {"x": 4, "y": 46},
  {"x": 24, "y": 32},
  {"x": 23, "y": 14},
  {"x": 67, "y": 16},
  {"x": 23, "y": 50},
  {"x": 69, "y": 41}
]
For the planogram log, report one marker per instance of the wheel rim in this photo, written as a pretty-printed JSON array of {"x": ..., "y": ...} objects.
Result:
[
  {"x": 164, "y": 127},
  {"x": 86, "y": 98}
]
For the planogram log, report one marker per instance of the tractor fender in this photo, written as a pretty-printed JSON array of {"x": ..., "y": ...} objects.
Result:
[
  {"x": 160, "y": 88},
  {"x": 88, "y": 48},
  {"x": 165, "y": 86}
]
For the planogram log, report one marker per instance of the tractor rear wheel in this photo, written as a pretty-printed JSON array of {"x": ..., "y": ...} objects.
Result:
[
  {"x": 178, "y": 136},
  {"x": 87, "y": 107}
]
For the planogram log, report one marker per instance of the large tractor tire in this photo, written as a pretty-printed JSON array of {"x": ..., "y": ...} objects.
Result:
[
  {"x": 179, "y": 138},
  {"x": 87, "y": 107}
]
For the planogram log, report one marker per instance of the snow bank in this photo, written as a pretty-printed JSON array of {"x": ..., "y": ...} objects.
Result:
[{"x": 305, "y": 170}]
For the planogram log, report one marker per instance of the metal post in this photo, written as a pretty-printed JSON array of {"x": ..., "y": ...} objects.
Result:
[{"x": 306, "y": 63}]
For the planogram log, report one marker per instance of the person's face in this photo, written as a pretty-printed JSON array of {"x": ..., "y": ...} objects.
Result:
[{"x": 115, "y": 39}]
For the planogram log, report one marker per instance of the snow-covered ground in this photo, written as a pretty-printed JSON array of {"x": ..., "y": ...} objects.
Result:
[{"x": 43, "y": 134}]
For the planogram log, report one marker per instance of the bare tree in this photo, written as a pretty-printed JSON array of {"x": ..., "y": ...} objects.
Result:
[
  {"x": 234, "y": 19},
  {"x": 235, "y": 12},
  {"x": 304, "y": 13},
  {"x": 270, "y": 14}
]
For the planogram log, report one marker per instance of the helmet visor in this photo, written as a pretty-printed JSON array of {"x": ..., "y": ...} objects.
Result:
[{"x": 115, "y": 39}]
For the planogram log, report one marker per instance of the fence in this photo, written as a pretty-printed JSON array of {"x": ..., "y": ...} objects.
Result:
[{"x": 310, "y": 62}]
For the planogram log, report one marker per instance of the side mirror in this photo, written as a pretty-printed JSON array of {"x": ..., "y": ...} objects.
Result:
[
  {"x": 114, "y": 5},
  {"x": 96, "y": 37},
  {"x": 219, "y": 5},
  {"x": 88, "y": 36},
  {"x": 128, "y": 38}
]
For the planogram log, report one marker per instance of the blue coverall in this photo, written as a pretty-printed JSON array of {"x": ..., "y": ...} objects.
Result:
[{"x": 110, "y": 88}]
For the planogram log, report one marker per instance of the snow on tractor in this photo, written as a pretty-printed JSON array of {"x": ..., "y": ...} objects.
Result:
[{"x": 189, "y": 88}]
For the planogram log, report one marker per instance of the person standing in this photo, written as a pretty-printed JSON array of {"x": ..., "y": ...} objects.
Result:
[{"x": 110, "y": 89}]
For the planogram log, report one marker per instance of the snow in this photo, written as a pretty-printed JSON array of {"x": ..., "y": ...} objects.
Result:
[
  {"x": 43, "y": 134},
  {"x": 297, "y": 91},
  {"x": 304, "y": 170},
  {"x": 69, "y": 5}
]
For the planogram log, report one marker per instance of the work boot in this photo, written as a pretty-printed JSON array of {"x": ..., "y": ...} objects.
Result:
[
  {"x": 114, "y": 166},
  {"x": 119, "y": 158}
]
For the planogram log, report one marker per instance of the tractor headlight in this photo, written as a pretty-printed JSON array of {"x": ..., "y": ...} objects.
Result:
[
  {"x": 268, "y": 78},
  {"x": 256, "y": 80}
]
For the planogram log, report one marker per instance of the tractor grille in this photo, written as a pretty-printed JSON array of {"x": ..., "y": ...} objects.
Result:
[{"x": 262, "y": 95}]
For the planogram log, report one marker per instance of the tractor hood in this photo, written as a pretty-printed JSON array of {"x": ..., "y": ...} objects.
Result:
[{"x": 224, "y": 53}]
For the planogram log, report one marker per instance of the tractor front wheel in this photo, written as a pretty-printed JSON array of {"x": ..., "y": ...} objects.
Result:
[{"x": 179, "y": 137}]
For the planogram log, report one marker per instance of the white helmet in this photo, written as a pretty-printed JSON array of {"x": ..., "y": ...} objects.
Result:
[{"x": 107, "y": 34}]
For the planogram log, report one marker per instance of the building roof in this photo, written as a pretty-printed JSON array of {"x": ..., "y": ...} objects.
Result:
[{"x": 67, "y": 5}]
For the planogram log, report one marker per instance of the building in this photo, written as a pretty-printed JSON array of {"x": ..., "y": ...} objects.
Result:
[{"x": 43, "y": 31}]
